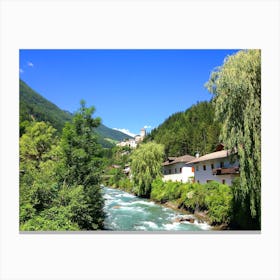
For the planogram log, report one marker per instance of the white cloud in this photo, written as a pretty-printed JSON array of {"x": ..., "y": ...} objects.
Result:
[
  {"x": 30, "y": 64},
  {"x": 148, "y": 126},
  {"x": 126, "y": 131},
  {"x": 21, "y": 71}
]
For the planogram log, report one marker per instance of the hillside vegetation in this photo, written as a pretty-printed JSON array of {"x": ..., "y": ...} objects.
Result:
[
  {"x": 34, "y": 106},
  {"x": 194, "y": 130}
]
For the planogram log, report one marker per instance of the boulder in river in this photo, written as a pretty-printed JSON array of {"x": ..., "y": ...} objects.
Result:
[{"x": 186, "y": 218}]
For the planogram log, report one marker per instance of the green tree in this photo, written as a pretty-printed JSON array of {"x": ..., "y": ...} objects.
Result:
[
  {"x": 39, "y": 157},
  {"x": 218, "y": 200},
  {"x": 236, "y": 86},
  {"x": 146, "y": 163},
  {"x": 188, "y": 132},
  {"x": 36, "y": 143},
  {"x": 83, "y": 164}
]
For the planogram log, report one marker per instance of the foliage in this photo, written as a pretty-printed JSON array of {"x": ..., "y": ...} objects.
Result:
[
  {"x": 236, "y": 87},
  {"x": 39, "y": 159},
  {"x": 116, "y": 174},
  {"x": 37, "y": 142},
  {"x": 120, "y": 156},
  {"x": 218, "y": 200},
  {"x": 158, "y": 191},
  {"x": 83, "y": 162},
  {"x": 34, "y": 106},
  {"x": 195, "y": 197},
  {"x": 126, "y": 185},
  {"x": 117, "y": 159},
  {"x": 53, "y": 219},
  {"x": 213, "y": 197},
  {"x": 241, "y": 215},
  {"x": 146, "y": 163},
  {"x": 59, "y": 179},
  {"x": 188, "y": 132},
  {"x": 106, "y": 132}
]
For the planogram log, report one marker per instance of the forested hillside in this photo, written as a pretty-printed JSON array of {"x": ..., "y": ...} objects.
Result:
[
  {"x": 188, "y": 132},
  {"x": 33, "y": 106}
]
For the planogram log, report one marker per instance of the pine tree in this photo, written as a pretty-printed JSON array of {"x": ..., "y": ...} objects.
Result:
[{"x": 83, "y": 164}]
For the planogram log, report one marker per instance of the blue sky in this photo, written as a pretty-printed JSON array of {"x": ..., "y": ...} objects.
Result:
[{"x": 130, "y": 89}]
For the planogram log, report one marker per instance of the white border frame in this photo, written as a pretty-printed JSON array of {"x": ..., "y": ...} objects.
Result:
[{"x": 139, "y": 24}]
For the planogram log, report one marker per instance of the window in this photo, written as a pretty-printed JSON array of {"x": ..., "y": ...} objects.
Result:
[
  {"x": 212, "y": 165},
  {"x": 175, "y": 170},
  {"x": 169, "y": 171},
  {"x": 204, "y": 167},
  {"x": 180, "y": 169},
  {"x": 222, "y": 164},
  {"x": 197, "y": 168}
]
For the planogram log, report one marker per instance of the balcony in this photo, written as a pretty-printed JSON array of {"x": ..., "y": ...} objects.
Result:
[{"x": 224, "y": 171}]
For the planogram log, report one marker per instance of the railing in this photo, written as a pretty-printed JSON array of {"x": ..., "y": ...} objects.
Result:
[{"x": 224, "y": 171}]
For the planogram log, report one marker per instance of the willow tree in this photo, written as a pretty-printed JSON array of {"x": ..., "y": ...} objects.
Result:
[
  {"x": 236, "y": 86},
  {"x": 146, "y": 163}
]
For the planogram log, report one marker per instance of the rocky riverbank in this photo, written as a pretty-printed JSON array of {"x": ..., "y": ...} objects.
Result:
[{"x": 199, "y": 217}]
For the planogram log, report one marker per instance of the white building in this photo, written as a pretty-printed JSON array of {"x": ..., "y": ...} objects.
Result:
[
  {"x": 129, "y": 142},
  {"x": 133, "y": 142},
  {"x": 216, "y": 166},
  {"x": 176, "y": 170}
]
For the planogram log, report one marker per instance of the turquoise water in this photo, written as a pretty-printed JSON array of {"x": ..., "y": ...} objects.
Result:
[{"x": 126, "y": 212}]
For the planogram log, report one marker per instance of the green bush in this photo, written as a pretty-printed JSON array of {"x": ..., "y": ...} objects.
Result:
[
  {"x": 173, "y": 190},
  {"x": 158, "y": 190},
  {"x": 125, "y": 184},
  {"x": 219, "y": 203},
  {"x": 213, "y": 197},
  {"x": 55, "y": 218}
]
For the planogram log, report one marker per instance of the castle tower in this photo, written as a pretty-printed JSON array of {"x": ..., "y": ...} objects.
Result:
[{"x": 143, "y": 133}]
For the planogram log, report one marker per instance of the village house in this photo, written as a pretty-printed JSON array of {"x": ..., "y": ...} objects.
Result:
[
  {"x": 133, "y": 142},
  {"x": 176, "y": 170},
  {"x": 217, "y": 166}
]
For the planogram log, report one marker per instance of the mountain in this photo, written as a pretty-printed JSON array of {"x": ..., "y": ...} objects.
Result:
[
  {"x": 108, "y": 137},
  {"x": 188, "y": 132},
  {"x": 35, "y": 106},
  {"x": 113, "y": 134}
]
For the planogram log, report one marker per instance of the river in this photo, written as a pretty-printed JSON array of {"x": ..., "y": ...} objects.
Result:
[{"x": 126, "y": 212}]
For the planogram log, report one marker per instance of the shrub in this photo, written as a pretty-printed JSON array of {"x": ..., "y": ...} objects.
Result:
[
  {"x": 158, "y": 190},
  {"x": 55, "y": 218},
  {"x": 219, "y": 203},
  {"x": 125, "y": 184},
  {"x": 213, "y": 197}
]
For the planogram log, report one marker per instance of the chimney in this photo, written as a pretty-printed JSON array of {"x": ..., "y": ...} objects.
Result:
[{"x": 197, "y": 155}]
